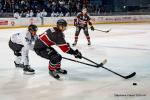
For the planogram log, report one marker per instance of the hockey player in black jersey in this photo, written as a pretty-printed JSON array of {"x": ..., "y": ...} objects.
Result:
[
  {"x": 54, "y": 36},
  {"x": 81, "y": 22}
]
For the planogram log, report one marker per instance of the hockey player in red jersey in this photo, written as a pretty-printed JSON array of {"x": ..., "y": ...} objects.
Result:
[
  {"x": 81, "y": 22},
  {"x": 54, "y": 36}
]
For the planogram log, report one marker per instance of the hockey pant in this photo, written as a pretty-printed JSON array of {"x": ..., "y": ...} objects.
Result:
[
  {"x": 53, "y": 57},
  {"x": 85, "y": 29},
  {"x": 17, "y": 49}
]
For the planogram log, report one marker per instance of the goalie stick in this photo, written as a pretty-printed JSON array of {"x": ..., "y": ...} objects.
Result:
[{"x": 125, "y": 77}]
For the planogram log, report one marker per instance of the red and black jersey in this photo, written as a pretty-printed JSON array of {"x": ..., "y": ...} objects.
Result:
[
  {"x": 50, "y": 37},
  {"x": 82, "y": 20}
]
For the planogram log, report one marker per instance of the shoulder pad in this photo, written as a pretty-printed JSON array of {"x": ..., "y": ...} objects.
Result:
[{"x": 52, "y": 29}]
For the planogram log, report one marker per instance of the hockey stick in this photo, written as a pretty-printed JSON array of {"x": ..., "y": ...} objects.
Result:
[
  {"x": 103, "y": 30},
  {"x": 80, "y": 62},
  {"x": 125, "y": 77},
  {"x": 99, "y": 65},
  {"x": 91, "y": 61}
]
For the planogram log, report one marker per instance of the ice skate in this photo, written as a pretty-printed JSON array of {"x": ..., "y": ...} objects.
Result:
[
  {"x": 89, "y": 43},
  {"x": 54, "y": 74},
  {"x": 18, "y": 65},
  {"x": 74, "y": 44},
  {"x": 62, "y": 71},
  {"x": 28, "y": 70}
]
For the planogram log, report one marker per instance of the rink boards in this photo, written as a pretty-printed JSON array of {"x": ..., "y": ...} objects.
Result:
[{"x": 51, "y": 21}]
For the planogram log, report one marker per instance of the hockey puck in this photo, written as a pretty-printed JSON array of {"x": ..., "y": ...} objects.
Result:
[{"x": 134, "y": 83}]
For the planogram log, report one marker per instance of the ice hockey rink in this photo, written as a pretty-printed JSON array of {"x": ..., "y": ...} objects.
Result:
[{"x": 126, "y": 47}]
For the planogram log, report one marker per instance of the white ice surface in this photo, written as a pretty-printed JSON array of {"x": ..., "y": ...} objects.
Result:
[{"x": 126, "y": 47}]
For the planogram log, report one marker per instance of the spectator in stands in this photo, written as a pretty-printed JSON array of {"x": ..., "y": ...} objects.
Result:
[
  {"x": 23, "y": 14},
  {"x": 66, "y": 6},
  {"x": 7, "y": 5},
  {"x": 61, "y": 2},
  {"x": 38, "y": 14},
  {"x": 31, "y": 14},
  {"x": 53, "y": 14},
  {"x": 0, "y": 5},
  {"x": 16, "y": 5},
  {"x": 67, "y": 14},
  {"x": 61, "y": 14},
  {"x": 27, "y": 14},
  {"x": 43, "y": 13},
  {"x": 57, "y": 14},
  {"x": 56, "y": 6},
  {"x": 22, "y": 4},
  {"x": 16, "y": 15}
]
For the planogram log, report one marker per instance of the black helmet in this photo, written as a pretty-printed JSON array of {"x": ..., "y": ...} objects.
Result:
[
  {"x": 61, "y": 22},
  {"x": 32, "y": 27},
  {"x": 84, "y": 10}
]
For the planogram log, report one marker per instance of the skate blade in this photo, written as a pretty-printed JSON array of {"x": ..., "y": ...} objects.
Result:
[
  {"x": 29, "y": 73},
  {"x": 19, "y": 67}
]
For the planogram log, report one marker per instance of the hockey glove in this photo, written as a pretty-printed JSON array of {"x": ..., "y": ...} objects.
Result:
[
  {"x": 75, "y": 22},
  {"x": 77, "y": 54},
  {"x": 92, "y": 28},
  {"x": 68, "y": 44}
]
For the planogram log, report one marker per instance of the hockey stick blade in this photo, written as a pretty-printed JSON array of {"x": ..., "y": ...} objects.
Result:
[
  {"x": 102, "y": 63},
  {"x": 108, "y": 30},
  {"x": 130, "y": 76}
]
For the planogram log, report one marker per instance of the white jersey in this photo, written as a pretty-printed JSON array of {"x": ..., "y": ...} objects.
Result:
[
  {"x": 38, "y": 14},
  {"x": 16, "y": 15},
  {"x": 26, "y": 40},
  {"x": 43, "y": 14}
]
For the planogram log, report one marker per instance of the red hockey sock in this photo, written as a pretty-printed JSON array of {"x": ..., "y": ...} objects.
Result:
[
  {"x": 51, "y": 68},
  {"x": 88, "y": 38},
  {"x": 76, "y": 38}
]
